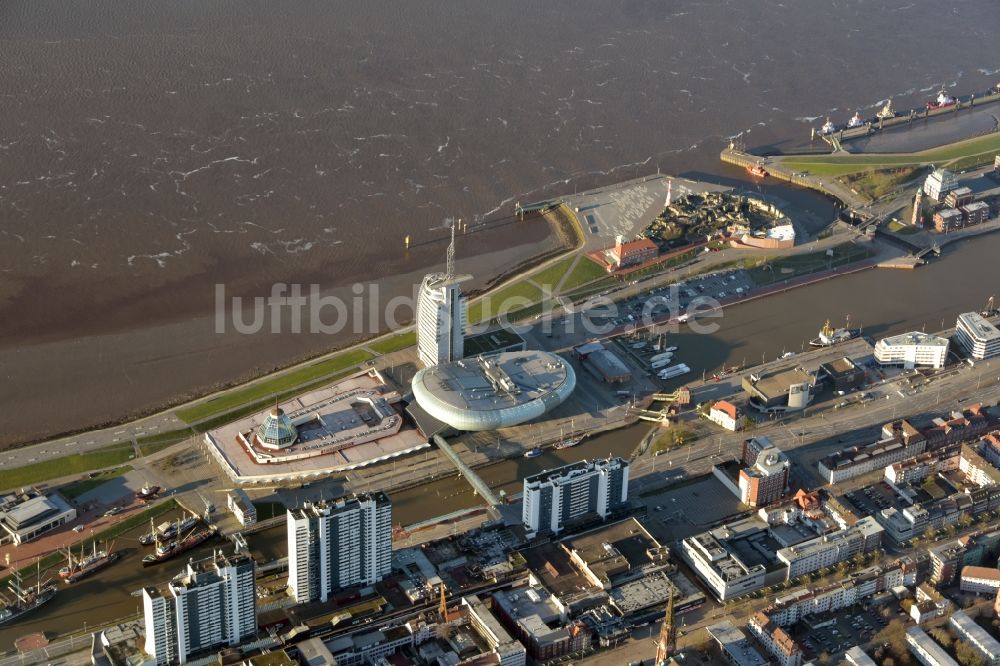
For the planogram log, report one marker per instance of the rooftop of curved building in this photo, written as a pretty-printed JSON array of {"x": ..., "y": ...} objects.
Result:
[{"x": 494, "y": 383}]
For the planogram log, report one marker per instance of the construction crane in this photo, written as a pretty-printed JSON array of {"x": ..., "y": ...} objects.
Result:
[{"x": 667, "y": 642}]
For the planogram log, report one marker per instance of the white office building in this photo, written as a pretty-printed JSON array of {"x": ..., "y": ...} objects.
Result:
[
  {"x": 441, "y": 314},
  {"x": 911, "y": 350},
  {"x": 211, "y": 605},
  {"x": 555, "y": 497},
  {"x": 940, "y": 183},
  {"x": 338, "y": 544},
  {"x": 926, "y": 649},
  {"x": 977, "y": 336}
]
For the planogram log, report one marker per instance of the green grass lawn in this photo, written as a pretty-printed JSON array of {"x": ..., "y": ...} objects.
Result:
[
  {"x": 550, "y": 276},
  {"x": 671, "y": 439},
  {"x": 875, "y": 183},
  {"x": 487, "y": 307},
  {"x": 792, "y": 266},
  {"x": 585, "y": 271},
  {"x": 150, "y": 444},
  {"x": 283, "y": 382},
  {"x": 394, "y": 342},
  {"x": 77, "y": 488},
  {"x": 77, "y": 463}
]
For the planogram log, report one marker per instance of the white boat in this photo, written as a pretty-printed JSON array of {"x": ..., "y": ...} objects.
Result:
[
  {"x": 855, "y": 121},
  {"x": 662, "y": 363},
  {"x": 828, "y": 127},
  {"x": 670, "y": 349},
  {"x": 674, "y": 371},
  {"x": 661, "y": 356},
  {"x": 639, "y": 345}
]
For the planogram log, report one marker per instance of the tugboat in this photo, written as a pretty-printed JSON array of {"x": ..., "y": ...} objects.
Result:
[
  {"x": 943, "y": 100},
  {"x": 147, "y": 492},
  {"x": 829, "y": 336},
  {"x": 757, "y": 170},
  {"x": 855, "y": 121},
  {"x": 170, "y": 549},
  {"x": 828, "y": 127},
  {"x": 25, "y": 600},
  {"x": 86, "y": 567},
  {"x": 533, "y": 453}
]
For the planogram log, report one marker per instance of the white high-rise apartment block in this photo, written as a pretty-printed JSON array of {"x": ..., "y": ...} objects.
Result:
[
  {"x": 912, "y": 350},
  {"x": 555, "y": 497},
  {"x": 977, "y": 335},
  {"x": 333, "y": 545},
  {"x": 212, "y": 604},
  {"x": 441, "y": 314}
]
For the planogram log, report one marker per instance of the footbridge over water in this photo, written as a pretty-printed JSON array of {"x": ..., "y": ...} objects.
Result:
[{"x": 474, "y": 480}]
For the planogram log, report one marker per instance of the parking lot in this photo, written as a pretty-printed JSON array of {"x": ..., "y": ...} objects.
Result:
[{"x": 837, "y": 634}]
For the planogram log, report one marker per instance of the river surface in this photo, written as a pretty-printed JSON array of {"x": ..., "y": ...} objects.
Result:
[
  {"x": 882, "y": 301},
  {"x": 151, "y": 151}
]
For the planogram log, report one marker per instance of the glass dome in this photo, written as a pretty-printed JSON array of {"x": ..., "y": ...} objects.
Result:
[{"x": 277, "y": 430}]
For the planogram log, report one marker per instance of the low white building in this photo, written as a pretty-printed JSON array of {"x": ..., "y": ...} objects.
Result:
[
  {"x": 911, "y": 350},
  {"x": 940, "y": 183},
  {"x": 926, "y": 649},
  {"x": 858, "y": 657},
  {"x": 727, "y": 415},
  {"x": 241, "y": 506},
  {"x": 977, "y": 336},
  {"x": 976, "y": 636},
  {"x": 980, "y": 580},
  {"x": 26, "y": 517}
]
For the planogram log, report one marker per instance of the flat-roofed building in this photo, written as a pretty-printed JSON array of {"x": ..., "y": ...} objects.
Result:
[
  {"x": 781, "y": 390},
  {"x": 541, "y": 623},
  {"x": 843, "y": 373},
  {"x": 980, "y": 580},
  {"x": 858, "y": 657},
  {"x": 948, "y": 219},
  {"x": 977, "y": 335},
  {"x": 826, "y": 550},
  {"x": 734, "y": 645},
  {"x": 499, "y": 640},
  {"x": 241, "y": 506},
  {"x": 969, "y": 630},
  {"x": 727, "y": 571},
  {"x": 926, "y": 649},
  {"x": 911, "y": 350},
  {"x": 974, "y": 213},
  {"x": 27, "y": 516},
  {"x": 958, "y": 197},
  {"x": 555, "y": 497}
]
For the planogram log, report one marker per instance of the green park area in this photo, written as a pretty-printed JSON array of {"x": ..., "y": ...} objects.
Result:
[
  {"x": 277, "y": 385},
  {"x": 394, "y": 343},
  {"x": 56, "y": 467},
  {"x": 76, "y": 488},
  {"x": 770, "y": 271}
]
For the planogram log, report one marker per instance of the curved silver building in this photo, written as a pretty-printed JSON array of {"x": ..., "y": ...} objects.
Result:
[{"x": 490, "y": 392}]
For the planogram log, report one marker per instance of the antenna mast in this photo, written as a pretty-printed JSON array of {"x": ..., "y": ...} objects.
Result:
[{"x": 450, "y": 265}]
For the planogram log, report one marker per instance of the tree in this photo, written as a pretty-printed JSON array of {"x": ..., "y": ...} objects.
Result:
[
  {"x": 967, "y": 655},
  {"x": 941, "y": 635},
  {"x": 965, "y": 520},
  {"x": 929, "y": 534},
  {"x": 888, "y": 661}
]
